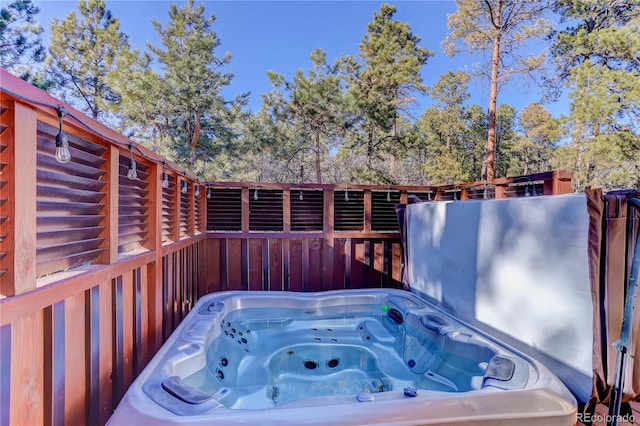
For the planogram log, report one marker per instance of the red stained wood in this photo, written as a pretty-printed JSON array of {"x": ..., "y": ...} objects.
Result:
[
  {"x": 211, "y": 265},
  {"x": 255, "y": 264},
  {"x": 339, "y": 271},
  {"x": 27, "y": 383},
  {"x": 358, "y": 267},
  {"x": 22, "y": 203},
  {"x": 295, "y": 265},
  {"x": 276, "y": 281},
  {"x": 106, "y": 351},
  {"x": 316, "y": 259},
  {"x": 128, "y": 309},
  {"x": 234, "y": 264},
  {"x": 75, "y": 357},
  {"x": 146, "y": 334},
  {"x": 396, "y": 261}
]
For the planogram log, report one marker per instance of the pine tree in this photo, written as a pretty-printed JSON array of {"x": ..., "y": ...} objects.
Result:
[
  {"x": 20, "y": 40},
  {"x": 384, "y": 87},
  {"x": 83, "y": 51},
  {"x": 203, "y": 122},
  {"x": 499, "y": 29},
  {"x": 597, "y": 59},
  {"x": 20, "y": 35},
  {"x": 313, "y": 108}
]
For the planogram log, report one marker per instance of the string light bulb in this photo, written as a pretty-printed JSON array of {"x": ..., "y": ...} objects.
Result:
[
  {"x": 62, "y": 153},
  {"x": 184, "y": 187},
  {"x": 132, "y": 173},
  {"x": 165, "y": 176},
  {"x": 208, "y": 193},
  {"x": 301, "y": 196},
  {"x": 197, "y": 190},
  {"x": 346, "y": 194},
  {"x": 255, "y": 194},
  {"x": 388, "y": 195}
]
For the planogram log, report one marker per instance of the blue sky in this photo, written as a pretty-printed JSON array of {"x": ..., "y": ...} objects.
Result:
[{"x": 280, "y": 35}]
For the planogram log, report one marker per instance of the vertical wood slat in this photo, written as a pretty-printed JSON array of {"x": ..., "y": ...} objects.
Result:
[
  {"x": 54, "y": 364},
  {"x": 234, "y": 264},
  {"x": 276, "y": 275},
  {"x": 107, "y": 349},
  {"x": 255, "y": 264},
  {"x": 265, "y": 265},
  {"x": 295, "y": 265},
  {"x": 316, "y": 261},
  {"x": 74, "y": 362},
  {"x": 92, "y": 339},
  {"x": 27, "y": 364},
  {"x": 118, "y": 339},
  {"x": 5, "y": 374}
]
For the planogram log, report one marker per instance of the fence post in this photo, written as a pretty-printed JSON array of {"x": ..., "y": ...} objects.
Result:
[
  {"x": 21, "y": 203},
  {"x": 112, "y": 166},
  {"x": 560, "y": 183}
]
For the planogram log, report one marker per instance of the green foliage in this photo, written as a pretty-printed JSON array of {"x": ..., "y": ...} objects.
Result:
[
  {"x": 83, "y": 51},
  {"x": 20, "y": 35},
  {"x": 597, "y": 59},
  {"x": 532, "y": 152},
  {"x": 310, "y": 111},
  {"x": 200, "y": 122},
  {"x": 385, "y": 85},
  {"x": 499, "y": 30}
]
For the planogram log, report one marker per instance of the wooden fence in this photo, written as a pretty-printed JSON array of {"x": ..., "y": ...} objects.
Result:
[{"x": 96, "y": 269}]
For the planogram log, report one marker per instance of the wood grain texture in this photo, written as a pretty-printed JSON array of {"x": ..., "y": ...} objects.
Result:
[{"x": 27, "y": 365}]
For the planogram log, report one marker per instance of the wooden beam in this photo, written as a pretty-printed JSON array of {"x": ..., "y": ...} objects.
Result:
[
  {"x": 22, "y": 204},
  {"x": 113, "y": 187}
]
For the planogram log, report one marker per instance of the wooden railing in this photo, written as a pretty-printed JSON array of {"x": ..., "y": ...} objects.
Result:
[{"x": 96, "y": 269}]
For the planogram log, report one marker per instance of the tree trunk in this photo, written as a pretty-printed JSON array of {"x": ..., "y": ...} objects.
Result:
[
  {"x": 489, "y": 163},
  {"x": 194, "y": 140},
  {"x": 318, "y": 160}
]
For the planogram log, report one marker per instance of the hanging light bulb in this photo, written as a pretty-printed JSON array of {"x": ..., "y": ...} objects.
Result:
[
  {"x": 132, "y": 173},
  {"x": 455, "y": 196},
  {"x": 301, "y": 196},
  {"x": 184, "y": 187},
  {"x": 429, "y": 195},
  {"x": 255, "y": 194},
  {"x": 208, "y": 193},
  {"x": 526, "y": 191},
  {"x": 485, "y": 195},
  {"x": 165, "y": 176},
  {"x": 346, "y": 194},
  {"x": 388, "y": 195},
  {"x": 197, "y": 190},
  {"x": 62, "y": 154}
]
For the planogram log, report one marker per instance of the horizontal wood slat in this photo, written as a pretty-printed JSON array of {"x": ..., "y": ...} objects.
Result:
[
  {"x": 169, "y": 210},
  {"x": 266, "y": 210},
  {"x": 133, "y": 205},
  {"x": 5, "y": 235},
  {"x": 383, "y": 211},
  {"x": 224, "y": 209},
  {"x": 307, "y": 210},
  {"x": 186, "y": 209},
  {"x": 70, "y": 203},
  {"x": 349, "y": 210}
]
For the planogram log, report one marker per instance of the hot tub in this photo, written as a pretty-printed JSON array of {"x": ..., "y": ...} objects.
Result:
[{"x": 338, "y": 357}]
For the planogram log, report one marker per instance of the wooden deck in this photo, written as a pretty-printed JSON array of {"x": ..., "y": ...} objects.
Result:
[{"x": 96, "y": 269}]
